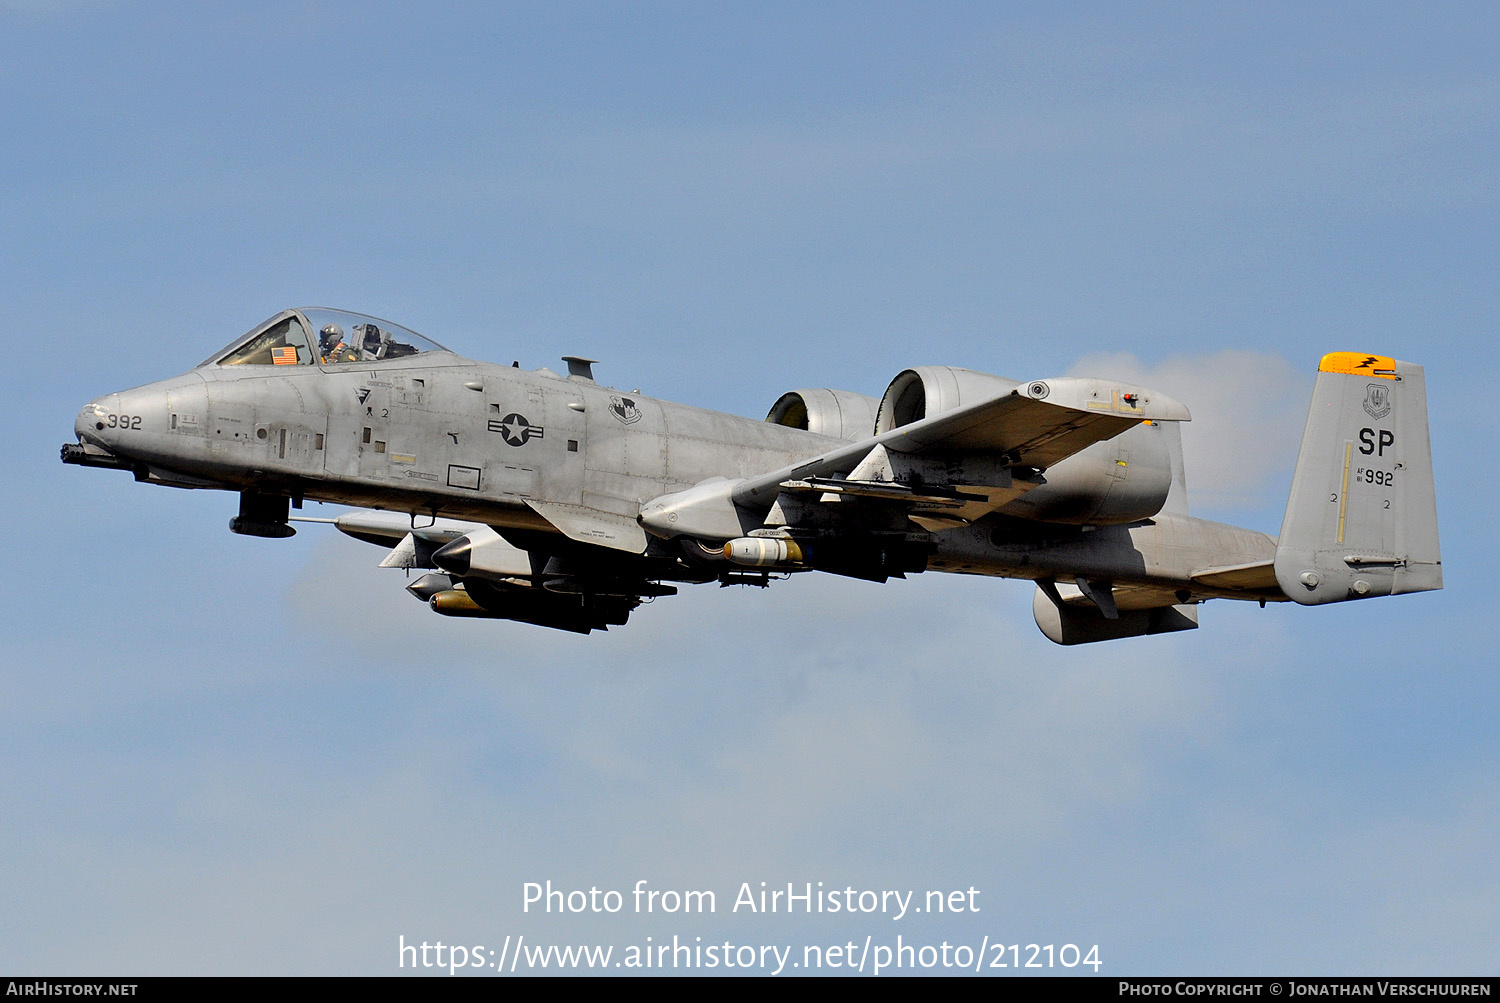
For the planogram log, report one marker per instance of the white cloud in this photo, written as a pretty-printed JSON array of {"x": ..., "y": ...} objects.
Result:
[{"x": 1248, "y": 411}]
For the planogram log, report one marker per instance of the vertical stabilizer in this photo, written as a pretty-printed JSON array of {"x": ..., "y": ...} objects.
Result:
[{"x": 1362, "y": 517}]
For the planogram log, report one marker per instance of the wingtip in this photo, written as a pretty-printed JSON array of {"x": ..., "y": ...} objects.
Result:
[{"x": 1106, "y": 397}]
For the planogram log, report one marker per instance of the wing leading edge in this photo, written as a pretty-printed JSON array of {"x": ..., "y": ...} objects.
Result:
[{"x": 1029, "y": 429}]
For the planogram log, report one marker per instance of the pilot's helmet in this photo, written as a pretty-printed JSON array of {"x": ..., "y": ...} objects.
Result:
[{"x": 331, "y": 335}]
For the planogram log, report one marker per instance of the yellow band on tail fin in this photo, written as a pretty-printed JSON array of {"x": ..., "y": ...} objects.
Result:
[{"x": 1358, "y": 364}]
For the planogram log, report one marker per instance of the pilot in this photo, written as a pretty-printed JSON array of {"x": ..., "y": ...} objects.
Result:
[{"x": 331, "y": 341}]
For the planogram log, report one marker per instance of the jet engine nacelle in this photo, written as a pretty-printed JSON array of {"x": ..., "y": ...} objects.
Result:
[
  {"x": 1120, "y": 480},
  {"x": 1117, "y": 481},
  {"x": 839, "y": 413},
  {"x": 928, "y": 390}
]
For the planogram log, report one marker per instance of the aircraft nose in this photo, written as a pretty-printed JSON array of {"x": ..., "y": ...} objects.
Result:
[
  {"x": 134, "y": 421},
  {"x": 97, "y": 418},
  {"x": 137, "y": 429}
]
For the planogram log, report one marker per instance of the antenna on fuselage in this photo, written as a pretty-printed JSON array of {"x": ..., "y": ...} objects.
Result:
[{"x": 580, "y": 368}]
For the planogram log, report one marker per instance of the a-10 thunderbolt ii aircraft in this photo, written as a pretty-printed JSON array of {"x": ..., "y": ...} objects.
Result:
[{"x": 547, "y": 498}]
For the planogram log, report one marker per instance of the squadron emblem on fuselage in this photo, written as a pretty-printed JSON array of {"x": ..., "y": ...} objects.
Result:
[{"x": 624, "y": 409}]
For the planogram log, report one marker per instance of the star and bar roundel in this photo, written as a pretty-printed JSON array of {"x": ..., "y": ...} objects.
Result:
[{"x": 515, "y": 429}]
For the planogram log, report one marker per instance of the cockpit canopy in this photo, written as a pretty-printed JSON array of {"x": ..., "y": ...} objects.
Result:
[{"x": 320, "y": 336}]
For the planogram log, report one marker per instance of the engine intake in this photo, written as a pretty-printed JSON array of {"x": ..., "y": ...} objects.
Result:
[
  {"x": 928, "y": 390},
  {"x": 842, "y": 414}
]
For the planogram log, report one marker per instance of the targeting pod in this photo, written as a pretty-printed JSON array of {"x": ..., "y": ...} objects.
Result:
[{"x": 763, "y": 552}]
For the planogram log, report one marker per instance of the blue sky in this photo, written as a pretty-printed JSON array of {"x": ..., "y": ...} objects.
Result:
[{"x": 234, "y": 755}]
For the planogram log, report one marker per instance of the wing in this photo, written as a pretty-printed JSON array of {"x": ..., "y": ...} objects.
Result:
[
  {"x": 473, "y": 571},
  {"x": 984, "y": 454}
]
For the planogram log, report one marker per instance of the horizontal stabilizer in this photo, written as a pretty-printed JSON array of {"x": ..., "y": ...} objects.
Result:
[
  {"x": 1065, "y": 622},
  {"x": 1253, "y": 577}
]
